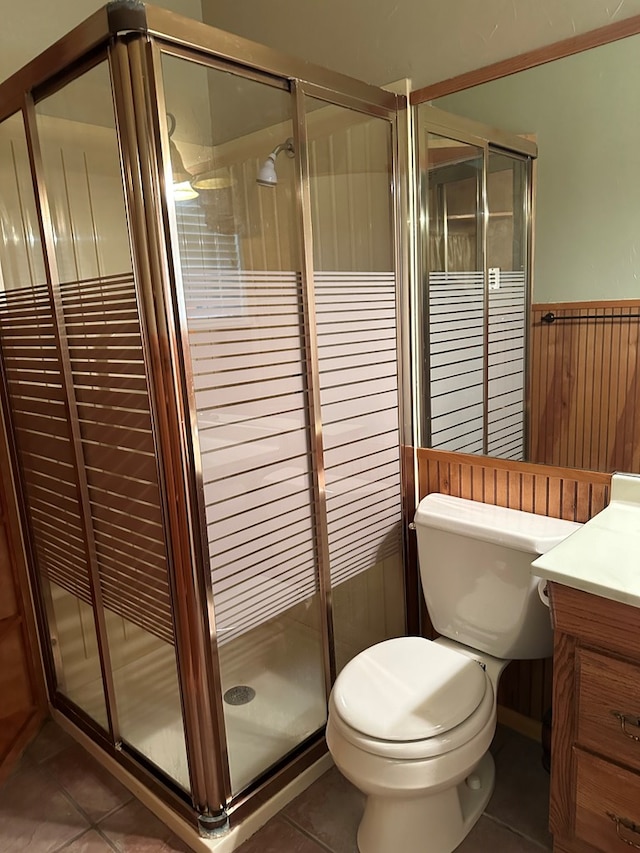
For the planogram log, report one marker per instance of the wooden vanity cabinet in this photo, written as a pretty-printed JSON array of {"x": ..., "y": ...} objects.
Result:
[{"x": 595, "y": 745}]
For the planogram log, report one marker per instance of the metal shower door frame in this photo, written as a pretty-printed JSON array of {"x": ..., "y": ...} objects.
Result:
[{"x": 132, "y": 37}]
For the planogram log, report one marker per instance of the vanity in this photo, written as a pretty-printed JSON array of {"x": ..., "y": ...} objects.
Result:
[{"x": 594, "y": 590}]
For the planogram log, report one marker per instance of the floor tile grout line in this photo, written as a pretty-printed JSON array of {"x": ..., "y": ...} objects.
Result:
[
  {"x": 106, "y": 838},
  {"x": 97, "y": 821},
  {"x": 92, "y": 824},
  {"x": 516, "y": 831},
  {"x": 71, "y": 841},
  {"x": 495, "y": 820},
  {"x": 45, "y": 769},
  {"x": 73, "y": 802},
  {"x": 306, "y": 832},
  {"x": 49, "y": 774},
  {"x": 169, "y": 834},
  {"x": 51, "y": 778}
]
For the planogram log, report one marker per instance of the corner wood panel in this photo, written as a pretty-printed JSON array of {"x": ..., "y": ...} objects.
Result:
[
  {"x": 22, "y": 692},
  {"x": 585, "y": 385},
  {"x": 558, "y": 492}
]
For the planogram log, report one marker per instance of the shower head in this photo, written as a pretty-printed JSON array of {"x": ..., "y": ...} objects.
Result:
[{"x": 267, "y": 176}]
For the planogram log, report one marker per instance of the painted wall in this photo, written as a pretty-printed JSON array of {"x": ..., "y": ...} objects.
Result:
[
  {"x": 581, "y": 109},
  {"x": 28, "y": 28}
]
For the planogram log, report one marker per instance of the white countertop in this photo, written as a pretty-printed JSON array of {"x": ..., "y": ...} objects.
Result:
[{"x": 603, "y": 556}]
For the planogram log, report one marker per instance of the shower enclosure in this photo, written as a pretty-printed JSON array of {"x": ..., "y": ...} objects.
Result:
[
  {"x": 200, "y": 378},
  {"x": 475, "y": 247}
]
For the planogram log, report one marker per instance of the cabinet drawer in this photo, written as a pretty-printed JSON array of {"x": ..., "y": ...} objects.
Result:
[
  {"x": 607, "y": 804},
  {"x": 608, "y": 687}
]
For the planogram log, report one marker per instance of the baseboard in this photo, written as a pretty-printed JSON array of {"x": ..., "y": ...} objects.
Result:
[{"x": 519, "y": 723}]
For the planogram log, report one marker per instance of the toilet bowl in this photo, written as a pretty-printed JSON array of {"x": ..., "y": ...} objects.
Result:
[
  {"x": 427, "y": 775},
  {"x": 410, "y": 719}
]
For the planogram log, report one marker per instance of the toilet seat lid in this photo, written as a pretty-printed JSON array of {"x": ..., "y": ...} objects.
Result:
[{"x": 409, "y": 688}]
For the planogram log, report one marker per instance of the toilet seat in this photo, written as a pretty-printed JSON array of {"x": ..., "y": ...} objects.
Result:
[{"x": 411, "y": 698}]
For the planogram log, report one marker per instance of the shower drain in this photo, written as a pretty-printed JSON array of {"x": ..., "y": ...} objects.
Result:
[{"x": 239, "y": 695}]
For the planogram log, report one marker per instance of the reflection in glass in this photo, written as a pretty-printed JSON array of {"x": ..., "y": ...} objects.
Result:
[
  {"x": 455, "y": 263},
  {"x": 43, "y": 442},
  {"x": 507, "y": 267},
  {"x": 239, "y": 266},
  {"x": 21, "y": 260},
  {"x": 474, "y": 250}
]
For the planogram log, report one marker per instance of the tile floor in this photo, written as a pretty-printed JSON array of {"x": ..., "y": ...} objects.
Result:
[{"x": 59, "y": 799}]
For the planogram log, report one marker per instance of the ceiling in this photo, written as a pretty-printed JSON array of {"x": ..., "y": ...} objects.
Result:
[
  {"x": 376, "y": 40},
  {"x": 381, "y": 41}
]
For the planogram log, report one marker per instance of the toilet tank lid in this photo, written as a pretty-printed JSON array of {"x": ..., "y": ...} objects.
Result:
[
  {"x": 524, "y": 531},
  {"x": 408, "y": 689}
]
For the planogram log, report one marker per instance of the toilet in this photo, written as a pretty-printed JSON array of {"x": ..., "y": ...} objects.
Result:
[{"x": 411, "y": 720}]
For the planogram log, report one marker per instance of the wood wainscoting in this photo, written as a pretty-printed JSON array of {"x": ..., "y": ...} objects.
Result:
[
  {"x": 585, "y": 385},
  {"x": 525, "y": 688}
]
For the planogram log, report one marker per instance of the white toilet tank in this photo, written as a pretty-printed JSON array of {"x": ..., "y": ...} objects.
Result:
[{"x": 475, "y": 565}]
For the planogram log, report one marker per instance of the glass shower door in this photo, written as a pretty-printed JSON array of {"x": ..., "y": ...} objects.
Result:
[
  {"x": 200, "y": 387},
  {"x": 236, "y": 243},
  {"x": 350, "y": 175},
  {"x": 85, "y": 440}
]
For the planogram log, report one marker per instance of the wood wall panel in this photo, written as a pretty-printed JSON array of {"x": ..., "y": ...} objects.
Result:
[
  {"x": 22, "y": 692},
  {"x": 558, "y": 492},
  {"x": 585, "y": 386}
]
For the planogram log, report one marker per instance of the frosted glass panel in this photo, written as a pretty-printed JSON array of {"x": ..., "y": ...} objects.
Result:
[
  {"x": 110, "y": 398},
  {"x": 355, "y": 290},
  {"x": 236, "y": 242}
]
